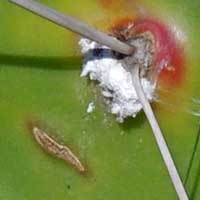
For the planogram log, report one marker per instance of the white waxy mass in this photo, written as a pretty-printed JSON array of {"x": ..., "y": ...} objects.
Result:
[{"x": 112, "y": 71}]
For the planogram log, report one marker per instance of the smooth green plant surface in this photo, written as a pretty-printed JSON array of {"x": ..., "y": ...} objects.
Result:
[{"x": 40, "y": 80}]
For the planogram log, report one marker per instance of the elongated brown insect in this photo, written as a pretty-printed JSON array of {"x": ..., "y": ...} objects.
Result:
[{"x": 58, "y": 150}]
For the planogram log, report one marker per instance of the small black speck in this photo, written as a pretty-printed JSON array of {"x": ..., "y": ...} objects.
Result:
[{"x": 68, "y": 187}]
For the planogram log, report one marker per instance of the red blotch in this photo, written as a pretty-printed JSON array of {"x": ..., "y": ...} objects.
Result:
[
  {"x": 169, "y": 62},
  {"x": 118, "y": 29},
  {"x": 108, "y": 4},
  {"x": 122, "y": 23},
  {"x": 168, "y": 58}
]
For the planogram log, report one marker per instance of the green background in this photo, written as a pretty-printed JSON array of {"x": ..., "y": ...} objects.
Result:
[{"x": 40, "y": 80}]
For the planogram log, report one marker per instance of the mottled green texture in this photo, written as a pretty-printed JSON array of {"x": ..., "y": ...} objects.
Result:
[{"x": 40, "y": 79}]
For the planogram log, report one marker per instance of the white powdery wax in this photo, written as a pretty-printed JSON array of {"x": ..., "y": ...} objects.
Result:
[
  {"x": 115, "y": 80},
  {"x": 91, "y": 107}
]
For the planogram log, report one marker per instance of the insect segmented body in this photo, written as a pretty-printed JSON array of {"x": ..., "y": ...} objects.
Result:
[{"x": 56, "y": 149}]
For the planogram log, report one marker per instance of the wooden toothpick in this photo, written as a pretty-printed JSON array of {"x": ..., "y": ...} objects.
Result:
[
  {"x": 174, "y": 175},
  {"x": 74, "y": 25}
]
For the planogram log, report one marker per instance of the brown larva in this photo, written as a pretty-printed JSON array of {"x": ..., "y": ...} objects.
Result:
[{"x": 56, "y": 149}]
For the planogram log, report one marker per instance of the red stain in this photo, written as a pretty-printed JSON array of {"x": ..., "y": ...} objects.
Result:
[
  {"x": 118, "y": 29},
  {"x": 108, "y": 4},
  {"x": 168, "y": 59}
]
